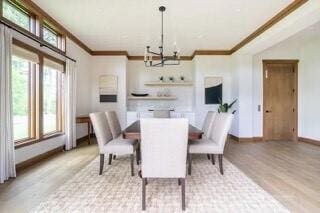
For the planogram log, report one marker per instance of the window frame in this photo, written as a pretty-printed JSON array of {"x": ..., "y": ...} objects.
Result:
[
  {"x": 60, "y": 37},
  {"x": 36, "y": 92},
  {"x": 59, "y": 106},
  {"x": 37, "y": 22},
  {"x": 21, "y": 8},
  {"x": 31, "y": 99}
]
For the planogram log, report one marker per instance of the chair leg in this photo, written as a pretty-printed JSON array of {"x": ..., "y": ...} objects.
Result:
[
  {"x": 212, "y": 159},
  {"x": 137, "y": 155},
  {"x": 110, "y": 159},
  {"x": 179, "y": 181},
  {"x": 220, "y": 156},
  {"x": 208, "y": 156},
  {"x": 132, "y": 162},
  {"x": 143, "y": 194},
  {"x": 101, "y": 163},
  {"x": 114, "y": 157},
  {"x": 183, "y": 193},
  {"x": 190, "y": 162}
]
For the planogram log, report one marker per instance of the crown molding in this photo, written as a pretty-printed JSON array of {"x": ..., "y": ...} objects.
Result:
[
  {"x": 110, "y": 53},
  {"x": 275, "y": 19},
  {"x": 278, "y": 17}
]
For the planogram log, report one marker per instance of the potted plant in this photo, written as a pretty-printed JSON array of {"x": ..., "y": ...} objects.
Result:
[
  {"x": 224, "y": 107},
  {"x": 161, "y": 78}
]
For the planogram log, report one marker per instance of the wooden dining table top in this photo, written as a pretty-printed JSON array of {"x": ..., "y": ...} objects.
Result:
[{"x": 133, "y": 132}]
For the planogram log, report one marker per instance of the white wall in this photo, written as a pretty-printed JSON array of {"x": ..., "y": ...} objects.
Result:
[
  {"x": 243, "y": 91},
  {"x": 83, "y": 89},
  {"x": 138, "y": 75},
  {"x": 307, "y": 50},
  {"x": 207, "y": 66},
  {"x": 109, "y": 65}
]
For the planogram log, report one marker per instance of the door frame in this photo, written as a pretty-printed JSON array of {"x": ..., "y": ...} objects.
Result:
[{"x": 295, "y": 67}]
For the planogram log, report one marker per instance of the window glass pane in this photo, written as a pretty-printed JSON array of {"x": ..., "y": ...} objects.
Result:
[
  {"x": 50, "y": 37},
  {"x": 20, "y": 98},
  {"x": 50, "y": 100},
  {"x": 16, "y": 15}
]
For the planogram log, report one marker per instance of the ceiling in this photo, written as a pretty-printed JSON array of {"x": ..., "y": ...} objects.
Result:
[{"x": 132, "y": 25}]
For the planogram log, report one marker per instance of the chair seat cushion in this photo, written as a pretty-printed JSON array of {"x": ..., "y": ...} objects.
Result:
[
  {"x": 121, "y": 146},
  {"x": 204, "y": 146}
]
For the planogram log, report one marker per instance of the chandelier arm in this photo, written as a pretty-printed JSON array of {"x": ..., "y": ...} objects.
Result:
[{"x": 153, "y": 52}]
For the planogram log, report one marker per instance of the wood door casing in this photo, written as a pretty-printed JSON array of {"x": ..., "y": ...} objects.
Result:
[{"x": 280, "y": 100}]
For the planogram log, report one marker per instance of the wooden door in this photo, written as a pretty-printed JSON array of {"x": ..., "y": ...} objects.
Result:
[{"x": 280, "y": 98}]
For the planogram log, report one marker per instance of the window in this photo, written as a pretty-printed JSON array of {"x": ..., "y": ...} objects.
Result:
[
  {"x": 53, "y": 37},
  {"x": 50, "y": 36},
  {"x": 21, "y": 100},
  {"x": 16, "y": 14},
  {"x": 51, "y": 100},
  {"x": 35, "y": 117}
]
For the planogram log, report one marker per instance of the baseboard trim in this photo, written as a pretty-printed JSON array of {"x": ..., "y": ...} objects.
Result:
[
  {"x": 248, "y": 140},
  {"x": 38, "y": 158},
  {"x": 309, "y": 141}
]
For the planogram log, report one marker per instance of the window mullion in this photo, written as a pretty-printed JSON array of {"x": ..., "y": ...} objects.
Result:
[
  {"x": 33, "y": 101},
  {"x": 40, "y": 98}
]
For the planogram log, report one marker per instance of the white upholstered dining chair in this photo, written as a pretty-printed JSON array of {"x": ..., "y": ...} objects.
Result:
[
  {"x": 215, "y": 143},
  {"x": 207, "y": 128},
  {"x": 116, "y": 132},
  {"x": 107, "y": 144},
  {"x": 207, "y": 124},
  {"x": 164, "y": 144},
  {"x": 161, "y": 113}
]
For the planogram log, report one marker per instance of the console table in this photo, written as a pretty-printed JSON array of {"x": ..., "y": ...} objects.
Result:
[{"x": 85, "y": 119}]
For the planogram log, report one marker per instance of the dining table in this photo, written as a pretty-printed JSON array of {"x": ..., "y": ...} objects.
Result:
[{"x": 133, "y": 132}]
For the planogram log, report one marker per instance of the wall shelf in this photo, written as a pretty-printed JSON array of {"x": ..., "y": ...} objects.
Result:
[
  {"x": 158, "y": 83},
  {"x": 152, "y": 98}
]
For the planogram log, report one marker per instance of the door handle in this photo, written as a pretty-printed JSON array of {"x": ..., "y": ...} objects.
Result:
[{"x": 268, "y": 111}]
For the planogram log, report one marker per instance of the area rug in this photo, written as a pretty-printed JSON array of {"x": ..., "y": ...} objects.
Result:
[{"x": 116, "y": 191}]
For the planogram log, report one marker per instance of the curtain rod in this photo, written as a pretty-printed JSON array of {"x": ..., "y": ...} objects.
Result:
[{"x": 42, "y": 44}]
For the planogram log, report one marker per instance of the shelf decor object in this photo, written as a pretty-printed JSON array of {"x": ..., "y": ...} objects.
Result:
[
  {"x": 139, "y": 94},
  {"x": 164, "y": 60}
]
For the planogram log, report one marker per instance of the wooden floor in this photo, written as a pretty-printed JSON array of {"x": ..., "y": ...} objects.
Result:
[{"x": 289, "y": 171}]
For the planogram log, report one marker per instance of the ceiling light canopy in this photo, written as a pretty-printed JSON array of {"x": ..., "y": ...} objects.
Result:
[{"x": 161, "y": 60}]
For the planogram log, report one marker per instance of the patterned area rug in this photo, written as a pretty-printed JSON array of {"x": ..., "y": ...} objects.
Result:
[{"x": 117, "y": 191}]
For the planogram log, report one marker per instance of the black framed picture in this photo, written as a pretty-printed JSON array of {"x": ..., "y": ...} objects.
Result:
[{"x": 213, "y": 89}]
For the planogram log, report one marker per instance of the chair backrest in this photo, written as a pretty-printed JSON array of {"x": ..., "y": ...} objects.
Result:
[
  {"x": 220, "y": 129},
  {"x": 161, "y": 113},
  {"x": 114, "y": 123},
  {"x": 164, "y": 144},
  {"x": 207, "y": 124},
  {"x": 101, "y": 129}
]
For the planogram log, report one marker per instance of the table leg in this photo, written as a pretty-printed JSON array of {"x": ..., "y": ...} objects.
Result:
[{"x": 89, "y": 131}]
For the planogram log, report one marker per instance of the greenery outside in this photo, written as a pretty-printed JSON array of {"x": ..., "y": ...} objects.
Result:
[{"x": 20, "y": 97}]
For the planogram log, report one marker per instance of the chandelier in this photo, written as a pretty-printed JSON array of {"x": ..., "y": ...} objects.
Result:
[{"x": 149, "y": 55}]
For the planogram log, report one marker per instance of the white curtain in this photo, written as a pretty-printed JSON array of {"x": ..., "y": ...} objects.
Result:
[
  {"x": 70, "y": 104},
  {"x": 7, "y": 158}
]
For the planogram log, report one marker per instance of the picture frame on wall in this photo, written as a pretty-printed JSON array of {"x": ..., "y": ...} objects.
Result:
[
  {"x": 213, "y": 89},
  {"x": 108, "y": 88}
]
